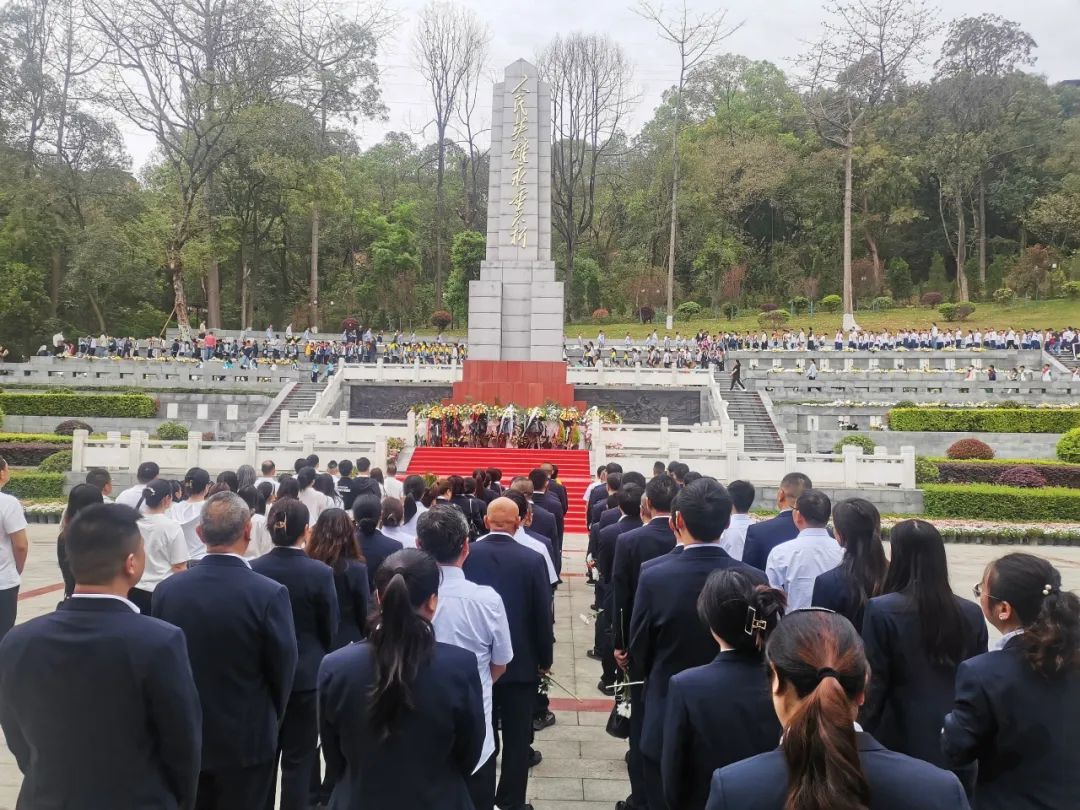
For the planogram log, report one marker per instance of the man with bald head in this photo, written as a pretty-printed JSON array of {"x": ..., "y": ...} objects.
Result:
[{"x": 520, "y": 577}]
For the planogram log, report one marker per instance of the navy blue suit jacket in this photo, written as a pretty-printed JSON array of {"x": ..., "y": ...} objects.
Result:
[
  {"x": 632, "y": 548},
  {"x": 539, "y": 538},
  {"x": 666, "y": 635},
  {"x": 353, "y": 595},
  {"x": 559, "y": 491},
  {"x": 520, "y": 576},
  {"x": 716, "y": 714},
  {"x": 832, "y": 590},
  {"x": 1023, "y": 729},
  {"x": 764, "y": 536},
  {"x": 908, "y": 696},
  {"x": 605, "y": 547},
  {"x": 426, "y": 762},
  {"x": 896, "y": 782},
  {"x": 314, "y": 601},
  {"x": 99, "y": 708},
  {"x": 550, "y": 501},
  {"x": 544, "y": 523},
  {"x": 598, "y": 522},
  {"x": 239, "y": 631},
  {"x": 376, "y": 547}
]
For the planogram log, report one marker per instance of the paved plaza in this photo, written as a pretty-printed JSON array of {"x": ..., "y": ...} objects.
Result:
[{"x": 583, "y": 767}]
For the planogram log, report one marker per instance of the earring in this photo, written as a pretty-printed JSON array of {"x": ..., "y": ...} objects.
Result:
[{"x": 1002, "y": 616}]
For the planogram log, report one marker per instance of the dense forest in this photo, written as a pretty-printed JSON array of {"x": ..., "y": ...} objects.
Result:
[{"x": 259, "y": 207}]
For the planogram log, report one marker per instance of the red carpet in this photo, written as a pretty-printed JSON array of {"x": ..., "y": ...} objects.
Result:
[{"x": 574, "y": 472}]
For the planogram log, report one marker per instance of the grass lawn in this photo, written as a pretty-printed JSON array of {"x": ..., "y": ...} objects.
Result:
[{"x": 1055, "y": 314}]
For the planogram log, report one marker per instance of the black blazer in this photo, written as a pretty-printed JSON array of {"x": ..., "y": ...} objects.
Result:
[
  {"x": 559, "y": 491},
  {"x": 832, "y": 590},
  {"x": 632, "y": 548},
  {"x": 99, "y": 708},
  {"x": 605, "y": 547},
  {"x": 376, "y": 547},
  {"x": 716, "y": 714},
  {"x": 520, "y": 576},
  {"x": 666, "y": 635},
  {"x": 908, "y": 696},
  {"x": 353, "y": 594},
  {"x": 239, "y": 630},
  {"x": 1023, "y": 730},
  {"x": 761, "y": 782},
  {"x": 551, "y": 502},
  {"x": 764, "y": 536},
  {"x": 314, "y": 607},
  {"x": 596, "y": 494},
  {"x": 596, "y": 523},
  {"x": 425, "y": 763},
  {"x": 543, "y": 522}
]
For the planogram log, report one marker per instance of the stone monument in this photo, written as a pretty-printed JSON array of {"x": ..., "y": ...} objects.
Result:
[{"x": 516, "y": 306}]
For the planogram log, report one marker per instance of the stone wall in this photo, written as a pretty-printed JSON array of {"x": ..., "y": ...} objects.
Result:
[
  {"x": 379, "y": 401},
  {"x": 638, "y": 406},
  {"x": 888, "y": 500}
]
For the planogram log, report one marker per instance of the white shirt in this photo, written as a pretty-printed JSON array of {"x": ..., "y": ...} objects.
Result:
[
  {"x": 131, "y": 497},
  {"x": 264, "y": 480},
  {"x": 734, "y": 537},
  {"x": 472, "y": 617},
  {"x": 392, "y": 487},
  {"x": 316, "y": 503},
  {"x": 165, "y": 547},
  {"x": 12, "y": 520},
  {"x": 260, "y": 538},
  {"x": 403, "y": 534},
  {"x": 189, "y": 515},
  {"x": 526, "y": 540},
  {"x": 793, "y": 566},
  {"x": 128, "y": 602},
  {"x": 1005, "y": 639}
]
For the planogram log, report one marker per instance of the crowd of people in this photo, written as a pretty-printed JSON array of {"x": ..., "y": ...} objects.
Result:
[{"x": 387, "y": 644}]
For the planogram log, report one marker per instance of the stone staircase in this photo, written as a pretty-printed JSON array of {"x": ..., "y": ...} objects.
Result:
[
  {"x": 759, "y": 432},
  {"x": 300, "y": 399}
]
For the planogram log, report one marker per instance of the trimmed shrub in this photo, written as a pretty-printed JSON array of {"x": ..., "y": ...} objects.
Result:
[
  {"x": 970, "y": 448},
  {"x": 1004, "y": 296},
  {"x": 69, "y": 427},
  {"x": 171, "y": 431},
  {"x": 1071, "y": 289},
  {"x": 985, "y": 420},
  {"x": 27, "y": 454},
  {"x": 1050, "y": 504},
  {"x": 441, "y": 319},
  {"x": 926, "y": 471},
  {"x": 38, "y": 485},
  {"x": 1068, "y": 446},
  {"x": 729, "y": 311},
  {"x": 832, "y": 303},
  {"x": 948, "y": 311},
  {"x": 124, "y": 406},
  {"x": 773, "y": 319},
  {"x": 32, "y": 438},
  {"x": 800, "y": 303},
  {"x": 1054, "y": 473},
  {"x": 883, "y": 302},
  {"x": 600, "y": 314},
  {"x": 686, "y": 310},
  {"x": 964, "y": 310},
  {"x": 931, "y": 299},
  {"x": 56, "y": 463},
  {"x": 769, "y": 307},
  {"x": 856, "y": 440},
  {"x": 1023, "y": 476}
]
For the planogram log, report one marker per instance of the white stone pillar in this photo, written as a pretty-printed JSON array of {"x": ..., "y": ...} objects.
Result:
[
  {"x": 194, "y": 448},
  {"x": 598, "y": 450},
  {"x": 380, "y": 369},
  {"x": 791, "y": 457},
  {"x": 343, "y": 425},
  {"x": 907, "y": 453},
  {"x": 381, "y": 446},
  {"x": 78, "y": 450},
  {"x": 416, "y": 370},
  {"x": 851, "y": 465},
  {"x": 135, "y": 449},
  {"x": 251, "y": 449},
  {"x": 731, "y": 465},
  {"x": 665, "y": 440},
  {"x": 813, "y": 425},
  {"x": 410, "y": 421},
  {"x": 308, "y": 444}
]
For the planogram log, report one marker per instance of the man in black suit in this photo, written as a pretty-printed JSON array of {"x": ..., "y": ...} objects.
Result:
[
  {"x": 600, "y": 505},
  {"x": 520, "y": 577},
  {"x": 554, "y": 486},
  {"x": 314, "y": 602},
  {"x": 666, "y": 635},
  {"x": 548, "y": 500},
  {"x": 98, "y": 703},
  {"x": 240, "y": 637},
  {"x": 763, "y": 537},
  {"x": 543, "y": 522},
  {"x": 600, "y": 492}
]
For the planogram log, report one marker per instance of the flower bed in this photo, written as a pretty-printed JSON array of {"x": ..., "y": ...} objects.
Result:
[
  {"x": 988, "y": 420},
  {"x": 1056, "y": 473},
  {"x": 44, "y": 511}
]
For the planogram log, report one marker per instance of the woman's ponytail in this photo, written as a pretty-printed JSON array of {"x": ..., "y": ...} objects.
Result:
[
  {"x": 366, "y": 511},
  {"x": 287, "y": 522}
]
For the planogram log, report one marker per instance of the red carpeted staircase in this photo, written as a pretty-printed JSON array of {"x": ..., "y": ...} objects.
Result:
[{"x": 574, "y": 471}]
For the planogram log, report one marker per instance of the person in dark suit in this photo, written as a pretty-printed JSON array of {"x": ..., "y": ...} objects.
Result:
[
  {"x": 555, "y": 486},
  {"x": 600, "y": 492},
  {"x": 239, "y": 631},
  {"x": 916, "y": 634},
  {"x": 1017, "y": 708},
  {"x": 98, "y": 704},
  {"x": 374, "y": 545},
  {"x": 599, "y": 506},
  {"x": 540, "y": 523},
  {"x": 603, "y": 648},
  {"x": 548, "y": 500},
  {"x": 861, "y": 574},
  {"x": 666, "y": 635},
  {"x": 818, "y": 673},
  {"x": 314, "y": 601},
  {"x": 333, "y": 542},
  {"x": 722, "y": 712},
  {"x": 763, "y": 537},
  {"x": 520, "y": 577},
  {"x": 402, "y": 715}
]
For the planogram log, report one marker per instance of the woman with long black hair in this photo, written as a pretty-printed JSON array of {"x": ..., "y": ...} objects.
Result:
[
  {"x": 916, "y": 635},
  {"x": 333, "y": 542},
  {"x": 1017, "y": 708},
  {"x": 825, "y": 761},
  {"x": 401, "y": 715},
  {"x": 375, "y": 545},
  {"x": 861, "y": 573},
  {"x": 80, "y": 497}
]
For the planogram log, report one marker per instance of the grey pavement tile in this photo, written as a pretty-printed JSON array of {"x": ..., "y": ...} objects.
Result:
[
  {"x": 554, "y": 787},
  {"x": 606, "y": 790}
]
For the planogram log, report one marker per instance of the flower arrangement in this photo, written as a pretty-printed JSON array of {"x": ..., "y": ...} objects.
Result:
[{"x": 477, "y": 424}]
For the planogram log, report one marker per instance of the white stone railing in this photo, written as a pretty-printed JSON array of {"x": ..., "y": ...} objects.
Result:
[
  {"x": 298, "y": 427},
  {"x": 415, "y": 372},
  {"x": 638, "y": 376},
  {"x": 327, "y": 399}
]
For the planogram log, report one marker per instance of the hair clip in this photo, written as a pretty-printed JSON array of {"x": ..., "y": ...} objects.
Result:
[
  {"x": 1047, "y": 590},
  {"x": 281, "y": 524},
  {"x": 753, "y": 622}
]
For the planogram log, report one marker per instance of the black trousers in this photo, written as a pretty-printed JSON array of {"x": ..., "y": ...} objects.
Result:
[
  {"x": 482, "y": 786},
  {"x": 635, "y": 766},
  {"x": 9, "y": 602},
  {"x": 142, "y": 599},
  {"x": 233, "y": 788},
  {"x": 298, "y": 743},
  {"x": 512, "y": 706},
  {"x": 654, "y": 784}
]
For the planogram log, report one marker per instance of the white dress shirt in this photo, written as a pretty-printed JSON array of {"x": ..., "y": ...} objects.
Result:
[
  {"x": 128, "y": 602},
  {"x": 260, "y": 538},
  {"x": 131, "y": 497},
  {"x": 734, "y": 537},
  {"x": 793, "y": 566},
  {"x": 1005, "y": 639},
  {"x": 472, "y": 617},
  {"x": 392, "y": 487},
  {"x": 189, "y": 515},
  {"x": 262, "y": 479},
  {"x": 528, "y": 541}
]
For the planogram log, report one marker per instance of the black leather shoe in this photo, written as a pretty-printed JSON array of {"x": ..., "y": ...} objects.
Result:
[
  {"x": 540, "y": 723},
  {"x": 535, "y": 758},
  {"x": 594, "y": 654}
]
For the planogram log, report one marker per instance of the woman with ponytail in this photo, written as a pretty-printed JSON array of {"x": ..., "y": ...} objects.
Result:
[
  {"x": 333, "y": 542},
  {"x": 401, "y": 715},
  {"x": 916, "y": 634},
  {"x": 722, "y": 712},
  {"x": 163, "y": 540},
  {"x": 818, "y": 673},
  {"x": 392, "y": 522},
  {"x": 861, "y": 574},
  {"x": 188, "y": 512},
  {"x": 1017, "y": 708},
  {"x": 375, "y": 545}
]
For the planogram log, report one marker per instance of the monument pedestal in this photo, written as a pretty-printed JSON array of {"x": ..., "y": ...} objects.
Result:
[{"x": 515, "y": 382}]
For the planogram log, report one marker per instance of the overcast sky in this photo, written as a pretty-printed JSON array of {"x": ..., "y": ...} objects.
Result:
[{"x": 774, "y": 30}]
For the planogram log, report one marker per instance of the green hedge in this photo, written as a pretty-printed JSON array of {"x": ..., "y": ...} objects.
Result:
[
  {"x": 56, "y": 463},
  {"x": 36, "y": 485},
  {"x": 989, "y": 502},
  {"x": 984, "y": 420},
  {"x": 124, "y": 406},
  {"x": 27, "y": 454},
  {"x": 1068, "y": 446},
  {"x": 32, "y": 438}
]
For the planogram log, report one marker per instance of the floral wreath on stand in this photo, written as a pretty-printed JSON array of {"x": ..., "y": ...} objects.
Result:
[{"x": 439, "y": 425}]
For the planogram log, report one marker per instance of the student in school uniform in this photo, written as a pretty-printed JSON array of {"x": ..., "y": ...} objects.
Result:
[
  {"x": 818, "y": 672},
  {"x": 163, "y": 541},
  {"x": 1017, "y": 708},
  {"x": 861, "y": 573},
  {"x": 722, "y": 712},
  {"x": 401, "y": 715}
]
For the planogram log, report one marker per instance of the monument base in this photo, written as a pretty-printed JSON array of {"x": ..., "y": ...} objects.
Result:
[{"x": 525, "y": 383}]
